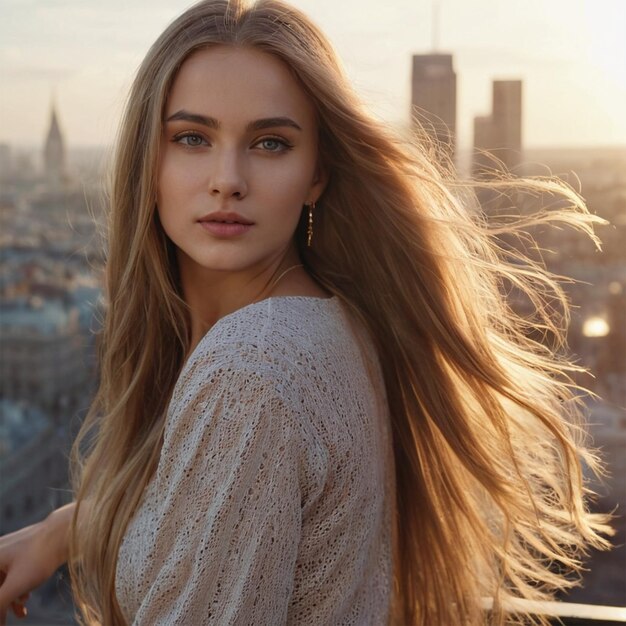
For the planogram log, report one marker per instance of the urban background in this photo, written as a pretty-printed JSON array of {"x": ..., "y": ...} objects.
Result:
[{"x": 52, "y": 251}]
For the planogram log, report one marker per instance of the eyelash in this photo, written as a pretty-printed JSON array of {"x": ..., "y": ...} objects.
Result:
[
  {"x": 178, "y": 139},
  {"x": 283, "y": 142}
]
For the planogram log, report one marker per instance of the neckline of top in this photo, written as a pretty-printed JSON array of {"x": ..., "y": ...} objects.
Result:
[
  {"x": 267, "y": 301},
  {"x": 331, "y": 300}
]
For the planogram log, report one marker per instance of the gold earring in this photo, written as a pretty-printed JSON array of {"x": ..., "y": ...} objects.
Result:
[{"x": 309, "y": 230}]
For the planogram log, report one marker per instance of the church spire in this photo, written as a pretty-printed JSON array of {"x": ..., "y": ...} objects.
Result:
[{"x": 54, "y": 150}]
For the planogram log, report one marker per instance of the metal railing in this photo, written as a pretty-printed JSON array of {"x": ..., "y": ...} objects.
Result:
[{"x": 568, "y": 613}]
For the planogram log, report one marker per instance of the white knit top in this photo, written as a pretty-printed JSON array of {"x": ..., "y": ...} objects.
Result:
[{"x": 273, "y": 498}]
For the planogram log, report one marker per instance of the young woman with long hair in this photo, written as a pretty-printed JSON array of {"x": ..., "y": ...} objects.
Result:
[{"x": 316, "y": 405}]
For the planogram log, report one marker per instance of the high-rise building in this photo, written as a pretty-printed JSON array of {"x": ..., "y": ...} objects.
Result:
[
  {"x": 433, "y": 97},
  {"x": 483, "y": 139},
  {"x": 500, "y": 134},
  {"x": 5, "y": 162},
  {"x": 507, "y": 117},
  {"x": 54, "y": 152}
]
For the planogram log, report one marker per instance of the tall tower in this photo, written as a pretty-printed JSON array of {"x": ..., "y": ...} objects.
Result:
[
  {"x": 433, "y": 96},
  {"x": 507, "y": 119},
  {"x": 482, "y": 161},
  {"x": 433, "y": 91},
  {"x": 500, "y": 134},
  {"x": 54, "y": 152}
]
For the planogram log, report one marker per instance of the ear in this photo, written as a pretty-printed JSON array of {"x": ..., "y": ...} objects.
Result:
[{"x": 320, "y": 180}]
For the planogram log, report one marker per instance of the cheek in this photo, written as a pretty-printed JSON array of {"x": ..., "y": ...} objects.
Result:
[
  {"x": 288, "y": 187},
  {"x": 178, "y": 174},
  {"x": 169, "y": 197},
  {"x": 163, "y": 185},
  {"x": 171, "y": 180},
  {"x": 168, "y": 226}
]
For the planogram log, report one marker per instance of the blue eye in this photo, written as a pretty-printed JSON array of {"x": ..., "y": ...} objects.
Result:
[
  {"x": 192, "y": 140},
  {"x": 273, "y": 144}
]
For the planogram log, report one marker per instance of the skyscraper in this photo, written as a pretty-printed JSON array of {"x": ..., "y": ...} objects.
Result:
[
  {"x": 483, "y": 139},
  {"x": 54, "y": 152},
  {"x": 507, "y": 117},
  {"x": 5, "y": 162},
  {"x": 433, "y": 97},
  {"x": 500, "y": 134}
]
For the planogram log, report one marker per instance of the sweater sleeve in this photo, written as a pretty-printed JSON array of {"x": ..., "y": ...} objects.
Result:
[{"x": 229, "y": 520}]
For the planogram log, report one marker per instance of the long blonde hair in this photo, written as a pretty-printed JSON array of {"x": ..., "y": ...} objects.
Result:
[{"x": 486, "y": 423}]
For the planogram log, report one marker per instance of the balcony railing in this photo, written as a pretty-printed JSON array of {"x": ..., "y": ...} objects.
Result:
[{"x": 569, "y": 614}]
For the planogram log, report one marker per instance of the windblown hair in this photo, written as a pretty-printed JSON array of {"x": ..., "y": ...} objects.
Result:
[{"x": 487, "y": 425}]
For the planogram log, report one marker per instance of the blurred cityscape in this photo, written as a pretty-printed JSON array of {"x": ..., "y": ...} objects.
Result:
[
  {"x": 597, "y": 330},
  {"x": 52, "y": 213}
]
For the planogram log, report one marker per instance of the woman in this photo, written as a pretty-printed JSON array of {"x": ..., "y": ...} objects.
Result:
[{"x": 315, "y": 407}]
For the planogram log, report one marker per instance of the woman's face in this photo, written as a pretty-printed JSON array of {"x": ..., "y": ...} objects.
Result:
[{"x": 240, "y": 136}]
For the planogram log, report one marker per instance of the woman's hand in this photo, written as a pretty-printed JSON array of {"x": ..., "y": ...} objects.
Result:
[{"x": 28, "y": 557}]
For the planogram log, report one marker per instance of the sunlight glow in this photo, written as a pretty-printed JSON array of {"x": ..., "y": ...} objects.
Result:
[{"x": 595, "y": 327}]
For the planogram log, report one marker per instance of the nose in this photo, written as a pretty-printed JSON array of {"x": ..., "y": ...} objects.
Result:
[{"x": 227, "y": 177}]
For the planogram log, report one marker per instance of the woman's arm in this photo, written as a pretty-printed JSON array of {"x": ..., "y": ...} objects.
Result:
[{"x": 29, "y": 556}]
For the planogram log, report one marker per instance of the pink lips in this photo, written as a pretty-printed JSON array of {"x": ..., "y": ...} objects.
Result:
[{"x": 218, "y": 224}]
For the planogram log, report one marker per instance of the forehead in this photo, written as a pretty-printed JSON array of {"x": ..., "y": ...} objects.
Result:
[{"x": 238, "y": 84}]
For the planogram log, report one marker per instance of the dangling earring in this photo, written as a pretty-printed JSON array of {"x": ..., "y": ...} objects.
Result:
[{"x": 309, "y": 229}]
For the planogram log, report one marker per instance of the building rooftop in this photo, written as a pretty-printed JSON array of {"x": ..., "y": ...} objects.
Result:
[
  {"x": 35, "y": 316},
  {"x": 19, "y": 424}
]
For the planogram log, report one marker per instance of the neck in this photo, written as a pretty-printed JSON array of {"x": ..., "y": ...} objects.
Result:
[{"x": 212, "y": 294}]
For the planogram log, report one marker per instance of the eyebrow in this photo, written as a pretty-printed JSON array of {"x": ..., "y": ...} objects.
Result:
[{"x": 211, "y": 122}]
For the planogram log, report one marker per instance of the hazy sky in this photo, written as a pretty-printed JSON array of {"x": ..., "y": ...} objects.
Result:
[{"x": 571, "y": 55}]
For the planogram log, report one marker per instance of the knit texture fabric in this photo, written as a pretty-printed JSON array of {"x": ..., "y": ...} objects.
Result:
[{"x": 274, "y": 494}]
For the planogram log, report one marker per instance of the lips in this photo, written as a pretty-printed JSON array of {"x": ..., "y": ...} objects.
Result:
[
  {"x": 226, "y": 218},
  {"x": 225, "y": 224}
]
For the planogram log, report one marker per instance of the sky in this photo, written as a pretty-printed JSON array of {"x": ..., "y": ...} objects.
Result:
[{"x": 570, "y": 54}]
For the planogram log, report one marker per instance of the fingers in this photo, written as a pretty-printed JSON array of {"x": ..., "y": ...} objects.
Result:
[
  {"x": 19, "y": 609},
  {"x": 10, "y": 595}
]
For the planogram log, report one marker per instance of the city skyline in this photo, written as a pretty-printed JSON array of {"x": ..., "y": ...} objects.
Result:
[
  {"x": 54, "y": 208},
  {"x": 568, "y": 53}
]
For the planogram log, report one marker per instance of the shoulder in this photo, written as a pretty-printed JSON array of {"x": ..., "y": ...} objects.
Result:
[
  {"x": 291, "y": 345},
  {"x": 303, "y": 359},
  {"x": 287, "y": 317},
  {"x": 273, "y": 332},
  {"x": 256, "y": 361}
]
